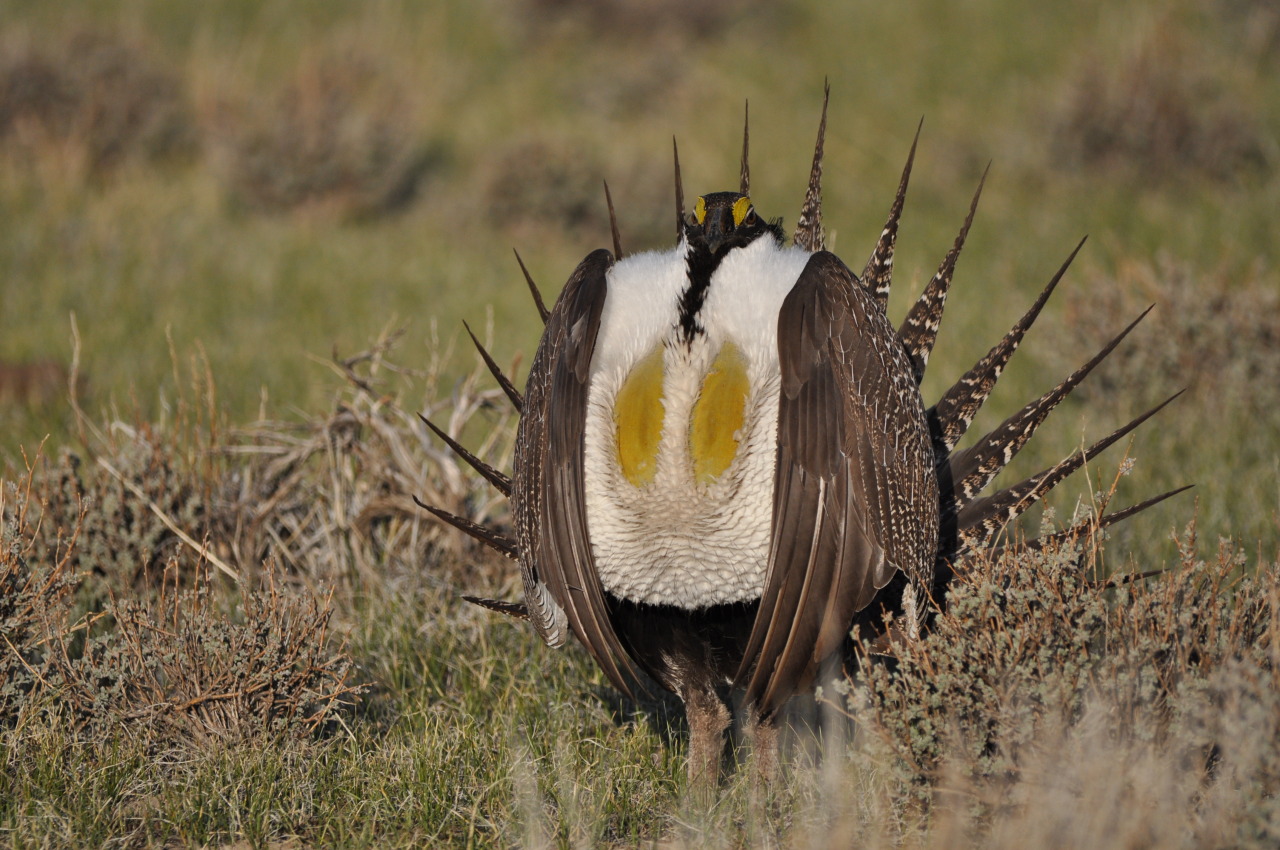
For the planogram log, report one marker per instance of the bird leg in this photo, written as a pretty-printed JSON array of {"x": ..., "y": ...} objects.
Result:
[
  {"x": 708, "y": 718},
  {"x": 762, "y": 732}
]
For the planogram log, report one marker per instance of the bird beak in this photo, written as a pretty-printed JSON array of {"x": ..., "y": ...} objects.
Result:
[{"x": 715, "y": 232}]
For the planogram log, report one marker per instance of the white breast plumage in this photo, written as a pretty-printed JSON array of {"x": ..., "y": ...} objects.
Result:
[{"x": 685, "y": 531}]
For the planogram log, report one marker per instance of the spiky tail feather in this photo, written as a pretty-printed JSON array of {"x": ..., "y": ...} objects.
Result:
[
  {"x": 495, "y": 477},
  {"x": 517, "y": 401},
  {"x": 951, "y": 416},
  {"x": 877, "y": 275},
  {"x": 533, "y": 289},
  {"x": 809, "y": 235},
  {"x": 972, "y": 469},
  {"x": 919, "y": 330},
  {"x": 500, "y": 543},
  {"x": 981, "y": 518}
]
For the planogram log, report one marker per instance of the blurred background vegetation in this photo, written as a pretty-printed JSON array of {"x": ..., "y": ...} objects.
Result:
[{"x": 254, "y": 186}]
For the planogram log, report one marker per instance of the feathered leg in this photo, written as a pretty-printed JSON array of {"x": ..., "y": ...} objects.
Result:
[
  {"x": 709, "y": 718},
  {"x": 762, "y": 732}
]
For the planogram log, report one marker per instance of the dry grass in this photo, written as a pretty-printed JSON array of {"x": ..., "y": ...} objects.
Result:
[
  {"x": 178, "y": 665},
  {"x": 184, "y": 669},
  {"x": 334, "y": 496}
]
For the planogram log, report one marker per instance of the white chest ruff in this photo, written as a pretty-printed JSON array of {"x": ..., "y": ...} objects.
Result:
[{"x": 678, "y": 540}]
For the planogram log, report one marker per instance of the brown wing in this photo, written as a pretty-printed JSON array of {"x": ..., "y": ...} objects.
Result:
[
  {"x": 855, "y": 492},
  {"x": 561, "y": 586}
]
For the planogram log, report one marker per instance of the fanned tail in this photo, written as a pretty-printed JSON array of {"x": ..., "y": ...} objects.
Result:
[
  {"x": 972, "y": 469},
  {"x": 969, "y": 521}
]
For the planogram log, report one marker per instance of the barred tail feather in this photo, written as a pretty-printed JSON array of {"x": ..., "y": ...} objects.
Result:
[
  {"x": 498, "y": 542},
  {"x": 518, "y": 610},
  {"x": 919, "y": 330},
  {"x": 980, "y": 519},
  {"x": 501, "y": 482},
  {"x": 877, "y": 276},
  {"x": 951, "y": 416},
  {"x": 971, "y": 470},
  {"x": 494, "y": 369},
  {"x": 809, "y": 235}
]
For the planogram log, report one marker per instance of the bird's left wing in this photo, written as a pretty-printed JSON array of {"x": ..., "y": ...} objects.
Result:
[
  {"x": 562, "y": 588},
  {"x": 855, "y": 497}
]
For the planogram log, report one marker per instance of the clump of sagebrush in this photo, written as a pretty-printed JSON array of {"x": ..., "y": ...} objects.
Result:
[
  {"x": 1032, "y": 656},
  {"x": 91, "y": 96},
  {"x": 129, "y": 506},
  {"x": 336, "y": 137},
  {"x": 185, "y": 667},
  {"x": 330, "y": 497},
  {"x": 1156, "y": 109},
  {"x": 33, "y": 600},
  {"x": 180, "y": 662}
]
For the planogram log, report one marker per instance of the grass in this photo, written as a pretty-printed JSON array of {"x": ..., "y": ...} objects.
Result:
[{"x": 281, "y": 183}]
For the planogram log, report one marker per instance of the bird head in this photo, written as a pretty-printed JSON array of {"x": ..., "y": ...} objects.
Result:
[{"x": 722, "y": 221}]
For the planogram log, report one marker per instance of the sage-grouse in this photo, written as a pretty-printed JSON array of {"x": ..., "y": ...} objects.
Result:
[{"x": 723, "y": 458}]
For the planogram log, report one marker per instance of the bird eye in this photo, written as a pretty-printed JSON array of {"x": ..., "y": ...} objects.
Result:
[{"x": 751, "y": 218}]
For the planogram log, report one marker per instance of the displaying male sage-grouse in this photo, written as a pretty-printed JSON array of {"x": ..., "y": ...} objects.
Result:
[{"x": 723, "y": 458}]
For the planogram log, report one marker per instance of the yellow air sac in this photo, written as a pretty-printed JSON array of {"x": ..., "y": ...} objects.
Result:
[
  {"x": 717, "y": 415},
  {"x": 637, "y": 415}
]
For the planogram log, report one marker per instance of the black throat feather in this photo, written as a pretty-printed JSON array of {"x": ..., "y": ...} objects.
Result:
[{"x": 701, "y": 264}]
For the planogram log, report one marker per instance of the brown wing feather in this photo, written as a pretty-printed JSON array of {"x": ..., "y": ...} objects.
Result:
[
  {"x": 548, "y": 504},
  {"x": 855, "y": 493}
]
